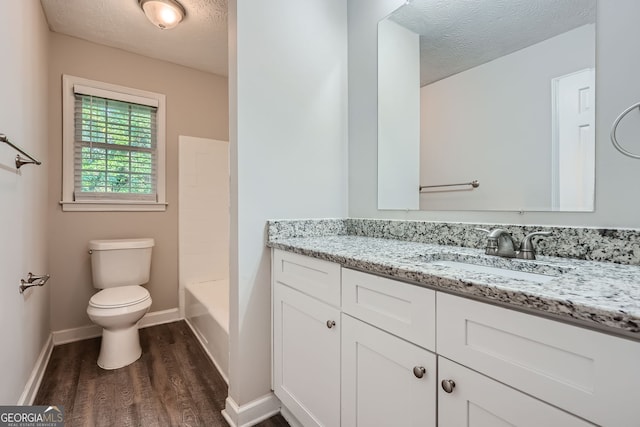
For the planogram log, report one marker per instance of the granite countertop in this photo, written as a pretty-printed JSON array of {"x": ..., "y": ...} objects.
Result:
[{"x": 602, "y": 295}]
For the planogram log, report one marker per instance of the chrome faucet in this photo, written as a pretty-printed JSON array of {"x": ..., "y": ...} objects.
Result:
[{"x": 499, "y": 243}]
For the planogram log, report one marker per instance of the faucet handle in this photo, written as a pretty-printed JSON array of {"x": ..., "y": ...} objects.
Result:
[
  {"x": 482, "y": 229},
  {"x": 527, "y": 250},
  {"x": 527, "y": 242}
]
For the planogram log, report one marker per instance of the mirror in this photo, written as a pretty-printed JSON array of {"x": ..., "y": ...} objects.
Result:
[{"x": 502, "y": 92}]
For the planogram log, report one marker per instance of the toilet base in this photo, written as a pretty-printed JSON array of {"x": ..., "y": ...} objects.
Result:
[{"x": 119, "y": 347}]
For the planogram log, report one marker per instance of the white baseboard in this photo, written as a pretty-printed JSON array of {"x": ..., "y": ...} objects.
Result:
[
  {"x": 91, "y": 331},
  {"x": 76, "y": 334},
  {"x": 251, "y": 413},
  {"x": 289, "y": 417},
  {"x": 33, "y": 383},
  {"x": 160, "y": 317}
]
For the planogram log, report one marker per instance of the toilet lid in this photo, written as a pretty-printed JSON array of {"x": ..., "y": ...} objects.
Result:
[{"x": 120, "y": 296}]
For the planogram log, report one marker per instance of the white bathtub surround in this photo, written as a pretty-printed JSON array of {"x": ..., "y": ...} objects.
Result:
[
  {"x": 203, "y": 211},
  {"x": 207, "y": 313},
  {"x": 204, "y": 244}
]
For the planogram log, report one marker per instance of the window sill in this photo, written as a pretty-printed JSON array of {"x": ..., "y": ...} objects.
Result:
[{"x": 113, "y": 206}]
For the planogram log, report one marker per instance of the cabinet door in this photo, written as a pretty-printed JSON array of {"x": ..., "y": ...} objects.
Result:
[
  {"x": 587, "y": 373},
  {"x": 379, "y": 387},
  {"x": 478, "y": 401},
  {"x": 306, "y": 351}
]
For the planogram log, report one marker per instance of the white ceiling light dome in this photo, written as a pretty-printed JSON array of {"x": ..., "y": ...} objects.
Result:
[{"x": 164, "y": 14}]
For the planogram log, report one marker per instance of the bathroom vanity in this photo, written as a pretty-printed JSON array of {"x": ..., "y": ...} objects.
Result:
[{"x": 370, "y": 331}]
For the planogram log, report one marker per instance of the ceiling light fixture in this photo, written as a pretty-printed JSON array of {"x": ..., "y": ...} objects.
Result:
[{"x": 164, "y": 14}]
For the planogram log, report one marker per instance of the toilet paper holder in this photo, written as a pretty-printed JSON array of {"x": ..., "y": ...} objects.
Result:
[{"x": 33, "y": 280}]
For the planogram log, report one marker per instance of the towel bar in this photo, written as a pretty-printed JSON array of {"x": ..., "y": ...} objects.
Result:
[
  {"x": 474, "y": 184},
  {"x": 20, "y": 160}
]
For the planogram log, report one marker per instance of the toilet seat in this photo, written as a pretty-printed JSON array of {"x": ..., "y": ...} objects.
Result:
[{"x": 121, "y": 296}]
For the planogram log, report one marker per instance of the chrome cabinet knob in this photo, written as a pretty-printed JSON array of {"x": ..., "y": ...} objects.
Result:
[
  {"x": 331, "y": 323},
  {"x": 448, "y": 385},
  {"x": 419, "y": 371}
]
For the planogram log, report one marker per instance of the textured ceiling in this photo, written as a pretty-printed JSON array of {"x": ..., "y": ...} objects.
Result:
[
  {"x": 200, "y": 41},
  {"x": 456, "y": 35}
]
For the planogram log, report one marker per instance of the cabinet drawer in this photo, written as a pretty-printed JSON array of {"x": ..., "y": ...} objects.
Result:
[
  {"x": 315, "y": 277},
  {"x": 478, "y": 401},
  {"x": 590, "y": 374},
  {"x": 405, "y": 310}
]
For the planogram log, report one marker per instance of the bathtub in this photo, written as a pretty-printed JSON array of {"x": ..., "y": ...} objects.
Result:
[{"x": 207, "y": 313}]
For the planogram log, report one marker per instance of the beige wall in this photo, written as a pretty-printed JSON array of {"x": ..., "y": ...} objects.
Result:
[{"x": 197, "y": 105}]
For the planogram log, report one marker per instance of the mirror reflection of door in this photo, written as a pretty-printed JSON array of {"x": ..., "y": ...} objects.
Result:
[{"x": 573, "y": 145}]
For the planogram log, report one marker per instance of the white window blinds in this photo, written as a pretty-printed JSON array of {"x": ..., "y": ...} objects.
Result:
[{"x": 115, "y": 149}]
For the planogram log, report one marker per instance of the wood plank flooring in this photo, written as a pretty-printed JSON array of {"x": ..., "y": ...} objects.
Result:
[{"x": 173, "y": 384}]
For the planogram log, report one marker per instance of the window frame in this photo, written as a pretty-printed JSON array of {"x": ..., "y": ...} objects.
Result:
[{"x": 120, "y": 93}]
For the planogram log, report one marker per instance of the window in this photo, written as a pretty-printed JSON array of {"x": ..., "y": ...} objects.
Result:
[{"x": 113, "y": 147}]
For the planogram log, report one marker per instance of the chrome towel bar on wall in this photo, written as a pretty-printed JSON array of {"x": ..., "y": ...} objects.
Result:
[
  {"x": 474, "y": 184},
  {"x": 19, "y": 159}
]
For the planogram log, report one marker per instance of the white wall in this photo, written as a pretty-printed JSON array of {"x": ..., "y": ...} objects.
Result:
[
  {"x": 288, "y": 143},
  {"x": 399, "y": 116},
  {"x": 617, "y": 87},
  {"x": 475, "y": 119},
  {"x": 24, "y": 319},
  {"x": 203, "y": 211}
]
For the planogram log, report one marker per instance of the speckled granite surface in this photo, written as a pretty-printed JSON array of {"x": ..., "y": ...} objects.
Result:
[
  {"x": 621, "y": 246},
  {"x": 599, "y": 294},
  {"x": 287, "y": 228}
]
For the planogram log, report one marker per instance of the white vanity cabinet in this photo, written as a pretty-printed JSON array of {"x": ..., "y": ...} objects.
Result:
[
  {"x": 306, "y": 337},
  {"x": 354, "y": 349},
  {"x": 387, "y": 380}
]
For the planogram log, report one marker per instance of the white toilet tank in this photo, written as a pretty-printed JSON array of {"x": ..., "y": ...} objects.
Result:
[{"x": 122, "y": 262}]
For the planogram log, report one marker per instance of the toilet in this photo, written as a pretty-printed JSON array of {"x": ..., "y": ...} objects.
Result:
[{"x": 119, "y": 268}]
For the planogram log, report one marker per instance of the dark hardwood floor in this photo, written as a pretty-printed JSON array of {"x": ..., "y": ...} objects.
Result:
[{"x": 173, "y": 384}]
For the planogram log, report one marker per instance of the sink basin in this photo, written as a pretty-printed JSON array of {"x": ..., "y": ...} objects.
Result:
[
  {"x": 503, "y": 272},
  {"x": 535, "y": 271}
]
